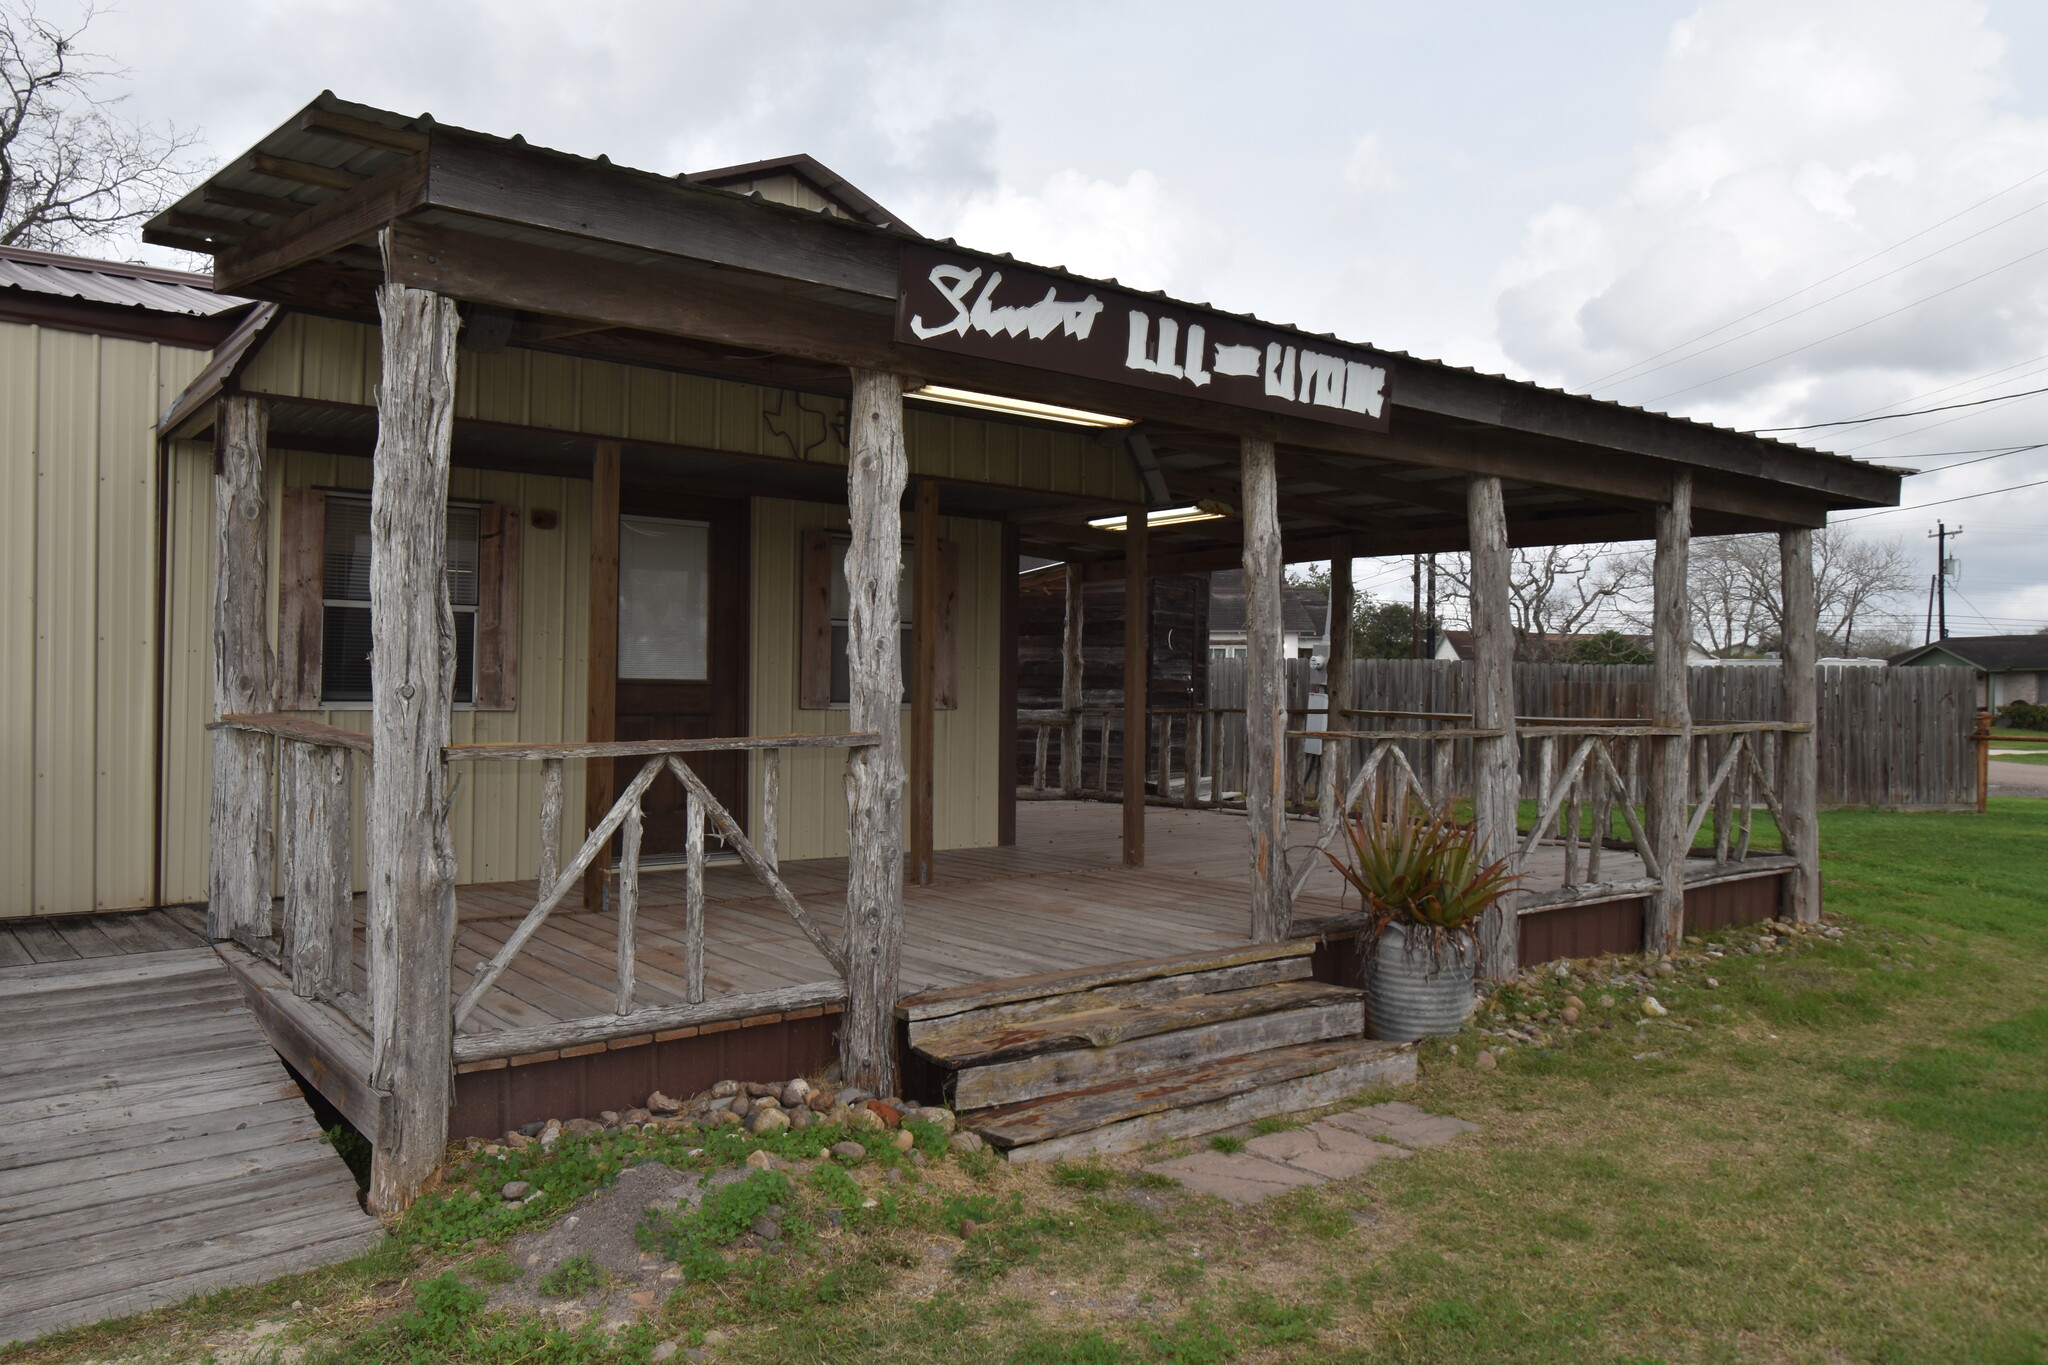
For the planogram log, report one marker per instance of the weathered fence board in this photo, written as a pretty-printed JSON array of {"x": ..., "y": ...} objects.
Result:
[{"x": 1891, "y": 738}]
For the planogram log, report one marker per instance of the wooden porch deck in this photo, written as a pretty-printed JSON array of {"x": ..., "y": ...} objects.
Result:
[{"x": 1057, "y": 900}]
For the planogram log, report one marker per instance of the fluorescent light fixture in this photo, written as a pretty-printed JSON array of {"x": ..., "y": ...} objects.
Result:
[
  {"x": 1017, "y": 407},
  {"x": 1169, "y": 516}
]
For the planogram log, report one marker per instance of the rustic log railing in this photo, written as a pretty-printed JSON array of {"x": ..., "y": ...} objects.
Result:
[
  {"x": 315, "y": 948},
  {"x": 315, "y": 940},
  {"x": 703, "y": 811}
]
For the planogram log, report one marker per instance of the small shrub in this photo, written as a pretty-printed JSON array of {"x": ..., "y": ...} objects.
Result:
[{"x": 2023, "y": 715}]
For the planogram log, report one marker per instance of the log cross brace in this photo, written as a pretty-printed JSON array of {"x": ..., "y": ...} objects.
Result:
[{"x": 626, "y": 812}]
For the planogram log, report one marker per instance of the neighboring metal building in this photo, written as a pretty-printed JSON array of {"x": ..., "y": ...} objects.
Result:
[
  {"x": 2009, "y": 667},
  {"x": 90, "y": 353}
]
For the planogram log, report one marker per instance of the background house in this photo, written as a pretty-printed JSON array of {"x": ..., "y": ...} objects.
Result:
[
  {"x": 2009, "y": 667},
  {"x": 1304, "y": 618}
]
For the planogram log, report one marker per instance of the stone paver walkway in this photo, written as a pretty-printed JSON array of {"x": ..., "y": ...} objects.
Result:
[{"x": 1331, "y": 1148}]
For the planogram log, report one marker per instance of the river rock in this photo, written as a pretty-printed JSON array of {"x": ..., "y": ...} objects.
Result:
[
  {"x": 890, "y": 1114},
  {"x": 766, "y": 1121},
  {"x": 966, "y": 1142},
  {"x": 759, "y": 1088},
  {"x": 849, "y": 1151},
  {"x": 795, "y": 1093},
  {"x": 942, "y": 1119},
  {"x": 1653, "y": 1008},
  {"x": 1484, "y": 1061},
  {"x": 855, "y": 1095},
  {"x": 801, "y": 1117},
  {"x": 821, "y": 1100},
  {"x": 550, "y": 1132},
  {"x": 865, "y": 1120},
  {"x": 725, "y": 1089},
  {"x": 664, "y": 1104}
]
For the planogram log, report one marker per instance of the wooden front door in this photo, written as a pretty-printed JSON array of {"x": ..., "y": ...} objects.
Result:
[{"x": 682, "y": 651}]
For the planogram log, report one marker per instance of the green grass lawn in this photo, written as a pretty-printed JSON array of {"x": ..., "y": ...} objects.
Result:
[
  {"x": 2020, "y": 758},
  {"x": 1840, "y": 1154}
]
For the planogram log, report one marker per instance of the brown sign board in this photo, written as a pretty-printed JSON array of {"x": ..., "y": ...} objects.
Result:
[{"x": 999, "y": 310}]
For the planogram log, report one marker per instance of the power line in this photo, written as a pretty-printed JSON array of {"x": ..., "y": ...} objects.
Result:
[
  {"x": 1940, "y": 502},
  {"x": 1886, "y": 417},
  {"x": 1961, "y": 213}
]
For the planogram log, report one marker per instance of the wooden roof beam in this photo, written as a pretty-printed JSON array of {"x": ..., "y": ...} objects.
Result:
[
  {"x": 362, "y": 132},
  {"x": 324, "y": 228},
  {"x": 723, "y": 309}
]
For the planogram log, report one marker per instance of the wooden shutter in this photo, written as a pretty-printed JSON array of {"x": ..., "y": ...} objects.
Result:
[
  {"x": 496, "y": 686},
  {"x": 946, "y": 686},
  {"x": 814, "y": 626},
  {"x": 301, "y": 583}
]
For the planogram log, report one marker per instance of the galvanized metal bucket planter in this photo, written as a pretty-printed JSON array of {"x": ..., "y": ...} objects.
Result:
[{"x": 1411, "y": 992}]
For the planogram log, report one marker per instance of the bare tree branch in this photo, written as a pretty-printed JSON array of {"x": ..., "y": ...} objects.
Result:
[{"x": 72, "y": 170}]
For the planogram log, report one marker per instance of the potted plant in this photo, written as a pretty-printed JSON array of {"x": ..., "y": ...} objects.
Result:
[{"x": 1425, "y": 884}]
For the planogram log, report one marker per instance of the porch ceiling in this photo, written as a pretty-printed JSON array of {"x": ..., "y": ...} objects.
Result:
[{"x": 579, "y": 256}]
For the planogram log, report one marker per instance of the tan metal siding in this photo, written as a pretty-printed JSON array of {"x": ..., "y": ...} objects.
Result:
[
  {"x": 813, "y": 793},
  {"x": 188, "y": 671},
  {"x": 19, "y": 371},
  {"x": 78, "y": 616}
]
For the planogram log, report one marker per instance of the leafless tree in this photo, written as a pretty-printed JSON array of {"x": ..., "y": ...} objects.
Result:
[
  {"x": 71, "y": 169},
  {"x": 1737, "y": 597},
  {"x": 1558, "y": 592}
]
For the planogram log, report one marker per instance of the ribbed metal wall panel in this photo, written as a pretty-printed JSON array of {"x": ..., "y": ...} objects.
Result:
[{"x": 78, "y": 509}]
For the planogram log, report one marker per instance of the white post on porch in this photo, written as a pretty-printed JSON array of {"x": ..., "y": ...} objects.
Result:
[
  {"x": 1337, "y": 686},
  {"x": 411, "y": 928},
  {"x": 877, "y": 467},
  {"x": 1265, "y": 694},
  {"x": 1801, "y": 779},
  {"x": 1670, "y": 708},
  {"x": 1496, "y": 781},
  {"x": 1071, "y": 693},
  {"x": 239, "y": 852}
]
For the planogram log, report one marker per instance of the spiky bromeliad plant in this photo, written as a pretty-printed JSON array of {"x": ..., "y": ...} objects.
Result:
[{"x": 1419, "y": 868}]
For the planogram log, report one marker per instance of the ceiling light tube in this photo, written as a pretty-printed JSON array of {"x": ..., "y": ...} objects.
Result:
[
  {"x": 1017, "y": 407},
  {"x": 1168, "y": 516}
]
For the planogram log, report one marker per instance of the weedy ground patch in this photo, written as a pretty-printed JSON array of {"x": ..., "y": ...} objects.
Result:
[{"x": 1839, "y": 1154}]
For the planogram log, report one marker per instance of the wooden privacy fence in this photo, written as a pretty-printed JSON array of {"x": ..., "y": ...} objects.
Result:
[
  {"x": 1889, "y": 738},
  {"x": 314, "y": 939}
]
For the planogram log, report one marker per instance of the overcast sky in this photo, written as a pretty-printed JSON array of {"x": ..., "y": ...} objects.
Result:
[{"x": 1760, "y": 212}]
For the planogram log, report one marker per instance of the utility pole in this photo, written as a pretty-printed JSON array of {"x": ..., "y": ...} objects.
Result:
[
  {"x": 1944, "y": 569},
  {"x": 1430, "y": 618},
  {"x": 1415, "y": 610}
]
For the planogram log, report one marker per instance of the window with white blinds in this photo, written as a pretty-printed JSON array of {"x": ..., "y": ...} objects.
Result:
[{"x": 345, "y": 598}]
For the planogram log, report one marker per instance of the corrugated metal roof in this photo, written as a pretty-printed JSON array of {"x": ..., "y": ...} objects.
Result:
[
  {"x": 297, "y": 142},
  {"x": 115, "y": 282}
]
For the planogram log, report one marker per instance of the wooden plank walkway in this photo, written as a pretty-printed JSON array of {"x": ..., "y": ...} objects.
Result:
[{"x": 151, "y": 1144}]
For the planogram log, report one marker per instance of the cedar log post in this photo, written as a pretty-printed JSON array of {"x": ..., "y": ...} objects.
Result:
[
  {"x": 1337, "y": 684},
  {"x": 319, "y": 913},
  {"x": 412, "y": 634},
  {"x": 1265, "y": 695},
  {"x": 1801, "y": 780},
  {"x": 1670, "y": 708},
  {"x": 601, "y": 705},
  {"x": 1137, "y": 677},
  {"x": 1495, "y": 779},
  {"x": 239, "y": 867},
  {"x": 1070, "y": 685},
  {"x": 924, "y": 637},
  {"x": 877, "y": 467}
]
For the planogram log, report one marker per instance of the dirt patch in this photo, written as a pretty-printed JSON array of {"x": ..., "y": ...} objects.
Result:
[{"x": 621, "y": 1280}]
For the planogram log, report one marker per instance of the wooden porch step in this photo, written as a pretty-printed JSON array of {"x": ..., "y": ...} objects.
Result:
[
  {"x": 982, "y": 995},
  {"x": 1092, "y": 1022},
  {"x": 1312, "y": 1013},
  {"x": 1123, "y": 1115}
]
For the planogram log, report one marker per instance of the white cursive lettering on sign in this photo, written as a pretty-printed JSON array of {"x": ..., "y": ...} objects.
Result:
[{"x": 1075, "y": 317}]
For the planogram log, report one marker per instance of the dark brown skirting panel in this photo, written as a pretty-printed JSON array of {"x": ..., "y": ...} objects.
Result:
[
  {"x": 1617, "y": 926},
  {"x": 581, "y": 1082}
]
